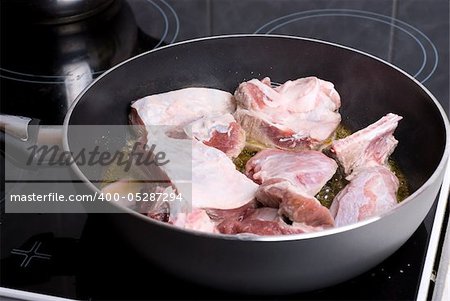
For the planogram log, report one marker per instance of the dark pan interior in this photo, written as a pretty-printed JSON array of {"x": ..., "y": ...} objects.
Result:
[{"x": 369, "y": 88}]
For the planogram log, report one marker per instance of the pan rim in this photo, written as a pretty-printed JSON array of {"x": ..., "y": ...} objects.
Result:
[{"x": 250, "y": 237}]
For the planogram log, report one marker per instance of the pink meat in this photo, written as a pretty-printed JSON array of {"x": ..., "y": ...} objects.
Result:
[
  {"x": 298, "y": 206},
  {"x": 368, "y": 147},
  {"x": 299, "y": 114},
  {"x": 261, "y": 221},
  {"x": 221, "y": 132},
  {"x": 372, "y": 191},
  {"x": 289, "y": 181},
  {"x": 219, "y": 215},
  {"x": 307, "y": 170},
  {"x": 258, "y": 227}
]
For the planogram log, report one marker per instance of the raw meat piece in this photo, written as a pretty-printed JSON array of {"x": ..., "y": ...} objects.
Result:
[
  {"x": 372, "y": 191},
  {"x": 368, "y": 147},
  {"x": 221, "y": 132},
  {"x": 373, "y": 186},
  {"x": 181, "y": 107},
  {"x": 300, "y": 114},
  {"x": 294, "y": 203},
  {"x": 307, "y": 170},
  {"x": 290, "y": 180}
]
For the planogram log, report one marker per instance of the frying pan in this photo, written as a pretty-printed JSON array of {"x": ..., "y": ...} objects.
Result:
[{"x": 369, "y": 88}]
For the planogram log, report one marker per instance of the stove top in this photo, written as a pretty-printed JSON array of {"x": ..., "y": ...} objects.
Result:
[{"x": 44, "y": 67}]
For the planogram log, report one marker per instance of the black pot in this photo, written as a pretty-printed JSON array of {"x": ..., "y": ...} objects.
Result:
[{"x": 51, "y": 11}]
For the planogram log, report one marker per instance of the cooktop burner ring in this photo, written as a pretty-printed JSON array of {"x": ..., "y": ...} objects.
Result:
[
  {"x": 163, "y": 8},
  {"x": 166, "y": 20},
  {"x": 427, "y": 47}
]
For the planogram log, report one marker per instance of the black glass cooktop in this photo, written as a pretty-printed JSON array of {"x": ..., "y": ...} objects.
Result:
[{"x": 44, "y": 67}]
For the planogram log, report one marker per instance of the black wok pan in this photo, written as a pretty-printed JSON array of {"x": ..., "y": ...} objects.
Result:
[{"x": 369, "y": 88}]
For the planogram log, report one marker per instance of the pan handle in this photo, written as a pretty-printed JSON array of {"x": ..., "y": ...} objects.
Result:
[
  {"x": 23, "y": 136},
  {"x": 20, "y": 127}
]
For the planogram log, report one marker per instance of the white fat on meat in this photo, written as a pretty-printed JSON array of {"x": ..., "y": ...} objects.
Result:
[
  {"x": 204, "y": 128},
  {"x": 216, "y": 183},
  {"x": 181, "y": 107},
  {"x": 204, "y": 175},
  {"x": 299, "y": 114},
  {"x": 200, "y": 113}
]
